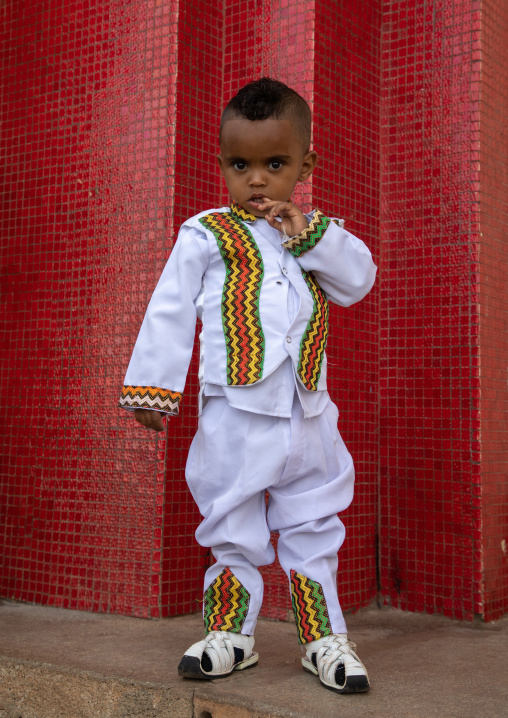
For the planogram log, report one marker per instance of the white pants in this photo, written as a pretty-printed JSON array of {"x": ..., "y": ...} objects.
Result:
[{"x": 304, "y": 465}]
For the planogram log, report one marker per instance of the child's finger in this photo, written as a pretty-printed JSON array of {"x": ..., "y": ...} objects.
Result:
[
  {"x": 278, "y": 208},
  {"x": 149, "y": 419},
  {"x": 267, "y": 202},
  {"x": 154, "y": 421},
  {"x": 275, "y": 206},
  {"x": 157, "y": 422},
  {"x": 142, "y": 416},
  {"x": 274, "y": 222}
]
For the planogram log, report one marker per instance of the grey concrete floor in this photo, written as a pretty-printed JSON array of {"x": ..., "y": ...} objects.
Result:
[{"x": 56, "y": 663}]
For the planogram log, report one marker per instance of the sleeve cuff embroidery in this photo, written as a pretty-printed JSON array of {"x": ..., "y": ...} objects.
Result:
[
  {"x": 151, "y": 397},
  {"x": 310, "y": 236}
]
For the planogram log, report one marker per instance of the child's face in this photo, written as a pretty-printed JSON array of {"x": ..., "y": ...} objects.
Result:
[{"x": 262, "y": 159}]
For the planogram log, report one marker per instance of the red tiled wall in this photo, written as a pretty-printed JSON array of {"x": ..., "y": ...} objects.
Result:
[
  {"x": 86, "y": 222},
  {"x": 493, "y": 255},
  {"x": 108, "y": 140},
  {"x": 429, "y": 388}
]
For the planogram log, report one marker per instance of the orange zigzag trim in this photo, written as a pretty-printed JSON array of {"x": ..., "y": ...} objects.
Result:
[{"x": 150, "y": 397}]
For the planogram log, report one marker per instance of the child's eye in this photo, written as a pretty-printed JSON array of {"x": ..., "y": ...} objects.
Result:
[
  {"x": 275, "y": 164},
  {"x": 239, "y": 165}
]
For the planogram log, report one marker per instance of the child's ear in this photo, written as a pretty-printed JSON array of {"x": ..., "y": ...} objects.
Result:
[{"x": 308, "y": 165}]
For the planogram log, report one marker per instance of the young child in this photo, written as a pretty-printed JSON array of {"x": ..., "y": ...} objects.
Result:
[{"x": 259, "y": 275}]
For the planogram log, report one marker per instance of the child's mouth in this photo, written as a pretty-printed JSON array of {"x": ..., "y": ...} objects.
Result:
[{"x": 256, "y": 200}]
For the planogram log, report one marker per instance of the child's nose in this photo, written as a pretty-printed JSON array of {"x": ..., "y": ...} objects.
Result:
[{"x": 256, "y": 178}]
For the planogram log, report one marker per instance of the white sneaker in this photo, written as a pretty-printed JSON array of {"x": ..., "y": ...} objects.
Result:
[
  {"x": 218, "y": 655},
  {"x": 334, "y": 660}
]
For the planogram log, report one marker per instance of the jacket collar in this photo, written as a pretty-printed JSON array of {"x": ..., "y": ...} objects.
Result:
[{"x": 241, "y": 213}]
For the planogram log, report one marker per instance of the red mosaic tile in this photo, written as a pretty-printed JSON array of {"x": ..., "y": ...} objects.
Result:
[
  {"x": 429, "y": 368},
  {"x": 491, "y": 506}
]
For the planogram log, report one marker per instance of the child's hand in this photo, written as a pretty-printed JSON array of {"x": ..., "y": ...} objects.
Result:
[
  {"x": 293, "y": 219},
  {"x": 150, "y": 419}
]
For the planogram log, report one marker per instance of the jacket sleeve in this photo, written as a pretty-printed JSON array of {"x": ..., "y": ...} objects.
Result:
[
  {"x": 341, "y": 263},
  {"x": 157, "y": 371}
]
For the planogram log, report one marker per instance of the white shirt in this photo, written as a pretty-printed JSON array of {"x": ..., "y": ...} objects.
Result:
[{"x": 262, "y": 313}]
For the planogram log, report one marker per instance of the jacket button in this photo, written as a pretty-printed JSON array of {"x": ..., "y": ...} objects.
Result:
[
  {"x": 288, "y": 339},
  {"x": 284, "y": 270}
]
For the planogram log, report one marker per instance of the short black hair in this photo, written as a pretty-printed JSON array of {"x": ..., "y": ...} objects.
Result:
[{"x": 266, "y": 98}]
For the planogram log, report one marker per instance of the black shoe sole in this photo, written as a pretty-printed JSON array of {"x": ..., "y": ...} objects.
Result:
[
  {"x": 190, "y": 667},
  {"x": 354, "y": 684}
]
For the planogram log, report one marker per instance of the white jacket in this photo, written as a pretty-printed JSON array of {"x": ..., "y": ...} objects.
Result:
[{"x": 232, "y": 271}]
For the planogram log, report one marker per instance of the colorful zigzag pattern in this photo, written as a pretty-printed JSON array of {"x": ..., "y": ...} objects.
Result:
[
  {"x": 242, "y": 213},
  {"x": 226, "y": 603},
  {"x": 313, "y": 344},
  {"x": 150, "y": 397},
  {"x": 245, "y": 342},
  {"x": 309, "y": 605},
  {"x": 309, "y": 237}
]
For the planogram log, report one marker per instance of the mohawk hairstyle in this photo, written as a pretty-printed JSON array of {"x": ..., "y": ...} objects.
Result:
[{"x": 265, "y": 98}]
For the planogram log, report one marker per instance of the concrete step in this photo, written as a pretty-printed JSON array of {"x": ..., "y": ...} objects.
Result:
[{"x": 56, "y": 663}]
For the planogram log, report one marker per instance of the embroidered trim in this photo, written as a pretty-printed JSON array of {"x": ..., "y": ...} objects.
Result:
[
  {"x": 313, "y": 344},
  {"x": 242, "y": 213},
  {"x": 309, "y": 237},
  {"x": 150, "y": 397},
  {"x": 310, "y": 609},
  {"x": 226, "y": 603},
  {"x": 245, "y": 341}
]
